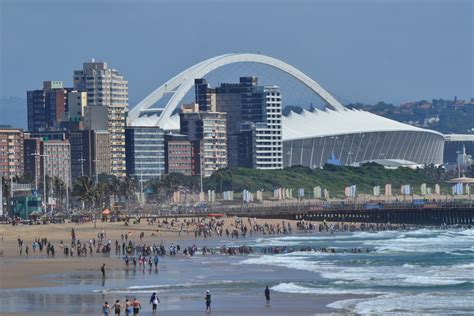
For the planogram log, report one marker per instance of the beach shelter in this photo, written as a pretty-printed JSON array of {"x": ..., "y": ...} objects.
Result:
[
  {"x": 35, "y": 215},
  {"x": 463, "y": 180}
]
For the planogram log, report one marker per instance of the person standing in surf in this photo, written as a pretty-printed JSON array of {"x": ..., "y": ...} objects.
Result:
[
  {"x": 267, "y": 295},
  {"x": 117, "y": 307},
  {"x": 207, "y": 298},
  {"x": 136, "y": 307},
  {"x": 128, "y": 307},
  {"x": 154, "y": 300},
  {"x": 105, "y": 309}
]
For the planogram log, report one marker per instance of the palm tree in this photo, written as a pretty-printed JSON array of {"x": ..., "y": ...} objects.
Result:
[
  {"x": 128, "y": 187},
  {"x": 59, "y": 188},
  {"x": 113, "y": 187},
  {"x": 84, "y": 190}
]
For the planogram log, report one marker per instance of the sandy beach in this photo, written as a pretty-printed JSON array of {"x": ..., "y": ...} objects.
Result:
[
  {"x": 37, "y": 271},
  {"x": 27, "y": 271}
]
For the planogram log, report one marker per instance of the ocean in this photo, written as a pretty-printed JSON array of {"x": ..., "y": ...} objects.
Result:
[
  {"x": 420, "y": 271},
  {"x": 429, "y": 272}
]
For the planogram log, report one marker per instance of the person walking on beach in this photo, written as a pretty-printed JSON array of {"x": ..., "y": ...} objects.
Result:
[
  {"x": 117, "y": 307},
  {"x": 136, "y": 307},
  {"x": 267, "y": 295},
  {"x": 102, "y": 269},
  {"x": 154, "y": 300},
  {"x": 207, "y": 298},
  {"x": 128, "y": 307},
  {"x": 106, "y": 309}
]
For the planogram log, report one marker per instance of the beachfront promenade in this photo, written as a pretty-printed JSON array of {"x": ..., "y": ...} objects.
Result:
[{"x": 420, "y": 213}]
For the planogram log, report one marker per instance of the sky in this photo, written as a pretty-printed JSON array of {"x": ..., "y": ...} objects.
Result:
[{"x": 360, "y": 51}]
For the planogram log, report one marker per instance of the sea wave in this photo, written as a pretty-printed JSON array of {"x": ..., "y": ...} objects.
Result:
[
  {"x": 140, "y": 289},
  {"x": 294, "y": 288},
  {"x": 409, "y": 304},
  {"x": 405, "y": 275}
]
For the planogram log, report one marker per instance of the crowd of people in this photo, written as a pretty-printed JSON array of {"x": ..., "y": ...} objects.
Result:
[
  {"x": 138, "y": 252},
  {"x": 144, "y": 250}
]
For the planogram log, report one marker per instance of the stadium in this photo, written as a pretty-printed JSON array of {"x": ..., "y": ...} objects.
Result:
[
  {"x": 310, "y": 138},
  {"x": 353, "y": 136}
]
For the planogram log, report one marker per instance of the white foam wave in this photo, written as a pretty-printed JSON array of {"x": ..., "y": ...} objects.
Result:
[
  {"x": 433, "y": 244},
  {"x": 294, "y": 288},
  {"x": 163, "y": 287},
  {"x": 372, "y": 275},
  {"x": 336, "y": 236},
  {"x": 409, "y": 304},
  {"x": 430, "y": 280}
]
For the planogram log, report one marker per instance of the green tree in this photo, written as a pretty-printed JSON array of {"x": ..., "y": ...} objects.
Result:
[
  {"x": 59, "y": 188},
  {"x": 85, "y": 191},
  {"x": 128, "y": 186}
]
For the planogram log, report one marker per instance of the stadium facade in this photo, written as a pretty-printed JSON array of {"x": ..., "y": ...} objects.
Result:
[
  {"x": 309, "y": 138},
  {"x": 354, "y": 136}
]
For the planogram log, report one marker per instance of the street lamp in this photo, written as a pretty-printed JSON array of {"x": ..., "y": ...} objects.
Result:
[
  {"x": 82, "y": 165},
  {"x": 44, "y": 177},
  {"x": 201, "y": 194},
  {"x": 459, "y": 152},
  {"x": 96, "y": 171},
  {"x": 36, "y": 155},
  {"x": 142, "y": 194},
  {"x": 200, "y": 167},
  {"x": 11, "y": 174}
]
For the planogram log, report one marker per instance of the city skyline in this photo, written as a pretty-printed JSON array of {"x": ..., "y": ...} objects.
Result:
[{"x": 339, "y": 54}]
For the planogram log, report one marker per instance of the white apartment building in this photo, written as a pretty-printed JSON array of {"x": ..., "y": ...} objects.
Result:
[
  {"x": 106, "y": 87},
  {"x": 57, "y": 155},
  {"x": 268, "y": 150}
]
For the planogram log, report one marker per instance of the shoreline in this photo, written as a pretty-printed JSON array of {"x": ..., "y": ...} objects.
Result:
[
  {"x": 28, "y": 271},
  {"x": 73, "y": 285}
]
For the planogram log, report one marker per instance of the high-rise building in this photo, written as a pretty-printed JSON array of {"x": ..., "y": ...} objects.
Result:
[
  {"x": 179, "y": 155},
  {"x": 205, "y": 95},
  {"x": 11, "y": 152},
  {"x": 207, "y": 130},
  {"x": 36, "y": 105},
  {"x": 247, "y": 103},
  {"x": 106, "y": 87},
  {"x": 57, "y": 155},
  {"x": 145, "y": 152},
  {"x": 55, "y": 107},
  {"x": 47, "y": 108},
  {"x": 90, "y": 153},
  {"x": 77, "y": 103},
  {"x": 268, "y": 132},
  {"x": 32, "y": 150}
]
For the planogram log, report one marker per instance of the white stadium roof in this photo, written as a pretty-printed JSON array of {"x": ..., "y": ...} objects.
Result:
[
  {"x": 172, "y": 123},
  {"x": 320, "y": 123}
]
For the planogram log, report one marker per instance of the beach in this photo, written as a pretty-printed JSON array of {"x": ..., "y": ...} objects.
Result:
[
  {"x": 424, "y": 271},
  {"x": 45, "y": 281}
]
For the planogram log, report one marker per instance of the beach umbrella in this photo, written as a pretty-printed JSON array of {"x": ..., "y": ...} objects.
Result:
[{"x": 106, "y": 212}]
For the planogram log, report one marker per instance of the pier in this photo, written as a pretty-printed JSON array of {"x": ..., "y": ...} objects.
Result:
[{"x": 395, "y": 213}]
